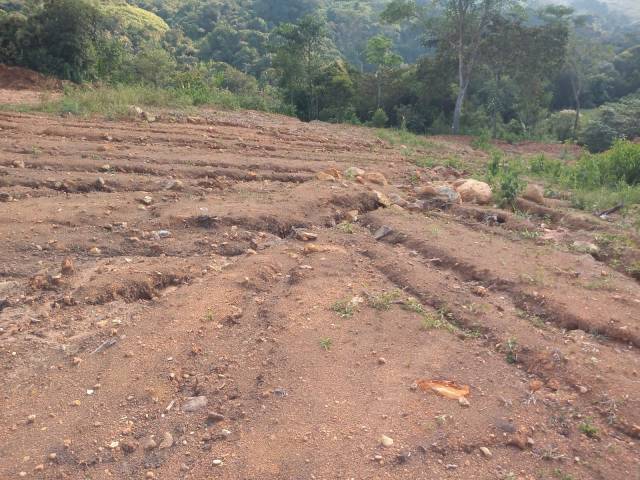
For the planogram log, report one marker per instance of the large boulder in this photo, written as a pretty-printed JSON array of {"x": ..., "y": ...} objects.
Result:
[
  {"x": 474, "y": 191},
  {"x": 534, "y": 193}
]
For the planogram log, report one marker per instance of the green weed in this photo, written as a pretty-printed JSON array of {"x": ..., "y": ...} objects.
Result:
[
  {"x": 344, "y": 308},
  {"x": 589, "y": 429},
  {"x": 326, "y": 343},
  {"x": 384, "y": 300}
]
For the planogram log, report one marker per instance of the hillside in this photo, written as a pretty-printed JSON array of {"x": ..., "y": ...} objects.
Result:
[{"x": 251, "y": 296}]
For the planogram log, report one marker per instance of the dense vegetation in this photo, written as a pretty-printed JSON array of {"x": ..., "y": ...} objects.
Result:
[{"x": 504, "y": 68}]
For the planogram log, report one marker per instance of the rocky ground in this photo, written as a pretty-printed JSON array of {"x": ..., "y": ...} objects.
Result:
[{"x": 245, "y": 296}]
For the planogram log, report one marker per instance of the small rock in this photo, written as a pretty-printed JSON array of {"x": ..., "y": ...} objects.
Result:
[
  {"x": 386, "y": 441},
  {"x": 305, "y": 236},
  {"x": 518, "y": 441},
  {"x": 403, "y": 456},
  {"x": 382, "y": 199},
  {"x": 39, "y": 467},
  {"x": 582, "y": 389},
  {"x": 382, "y": 232},
  {"x": 351, "y": 216},
  {"x": 105, "y": 168},
  {"x": 325, "y": 177},
  {"x": 535, "y": 385},
  {"x": 353, "y": 172},
  {"x": 31, "y": 418},
  {"x": 99, "y": 184},
  {"x": 426, "y": 191},
  {"x": 95, "y": 251},
  {"x": 194, "y": 404},
  {"x": 147, "y": 200},
  {"x": 486, "y": 452},
  {"x": 585, "y": 247},
  {"x": 148, "y": 117},
  {"x": 398, "y": 200},
  {"x": 128, "y": 446},
  {"x": 18, "y": 164},
  {"x": 167, "y": 441},
  {"x": 214, "y": 417},
  {"x": 67, "y": 267},
  {"x": 5, "y": 197},
  {"x": 534, "y": 193},
  {"x": 148, "y": 443},
  {"x": 480, "y": 291},
  {"x": 173, "y": 184},
  {"x": 376, "y": 177},
  {"x": 463, "y": 402},
  {"x": 217, "y": 462},
  {"x": 382, "y": 361}
]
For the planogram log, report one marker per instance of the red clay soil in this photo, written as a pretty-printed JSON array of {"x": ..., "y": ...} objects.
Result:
[
  {"x": 18, "y": 78},
  {"x": 162, "y": 316}
]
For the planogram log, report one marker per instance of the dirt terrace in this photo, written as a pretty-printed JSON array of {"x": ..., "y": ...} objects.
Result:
[{"x": 145, "y": 264}]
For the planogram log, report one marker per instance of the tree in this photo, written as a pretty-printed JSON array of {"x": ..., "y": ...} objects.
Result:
[
  {"x": 584, "y": 57},
  {"x": 458, "y": 25},
  {"x": 299, "y": 56},
  {"x": 61, "y": 38},
  {"x": 379, "y": 53},
  {"x": 523, "y": 70}
]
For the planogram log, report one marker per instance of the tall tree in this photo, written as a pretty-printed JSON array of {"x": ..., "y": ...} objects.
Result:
[
  {"x": 458, "y": 25},
  {"x": 299, "y": 55},
  {"x": 380, "y": 54}
]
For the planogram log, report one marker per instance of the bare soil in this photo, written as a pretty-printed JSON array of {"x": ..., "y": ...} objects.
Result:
[{"x": 146, "y": 263}]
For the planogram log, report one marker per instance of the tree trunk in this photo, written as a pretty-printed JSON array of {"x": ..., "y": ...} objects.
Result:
[
  {"x": 576, "y": 122},
  {"x": 494, "y": 113},
  {"x": 576, "y": 87},
  {"x": 379, "y": 82},
  {"x": 457, "y": 113}
]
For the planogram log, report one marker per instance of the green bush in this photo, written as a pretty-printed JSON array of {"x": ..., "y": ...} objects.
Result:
[
  {"x": 505, "y": 178},
  {"x": 379, "y": 119},
  {"x": 561, "y": 123},
  {"x": 610, "y": 122}
]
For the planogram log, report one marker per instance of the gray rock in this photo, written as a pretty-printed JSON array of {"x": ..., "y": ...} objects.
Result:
[
  {"x": 382, "y": 232},
  {"x": 195, "y": 404}
]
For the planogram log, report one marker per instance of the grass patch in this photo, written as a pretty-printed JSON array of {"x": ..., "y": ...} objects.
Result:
[
  {"x": 384, "y": 300},
  {"x": 345, "y": 308},
  {"x": 116, "y": 101},
  {"x": 404, "y": 137}
]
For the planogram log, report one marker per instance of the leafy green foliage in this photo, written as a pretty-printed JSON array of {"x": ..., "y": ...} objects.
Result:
[
  {"x": 612, "y": 121},
  {"x": 505, "y": 177},
  {"x": 379, "y": 119}
]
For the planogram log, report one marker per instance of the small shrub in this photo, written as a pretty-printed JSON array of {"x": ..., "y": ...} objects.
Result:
[
  {"x": 561, "y": 124},
  {"x": 589, "y": 429},
  {"x": 326, "y": 343},
  {"x": 508, "y": 185},
  {"x": 379, "y": 119},
  {"x": 512, "y": 350},
  {"x": 344, "y": 308},
  {"x": 482, "y": 142},
  {"x": 384, "y": 300},
  {"x": 346, "y": 227}
]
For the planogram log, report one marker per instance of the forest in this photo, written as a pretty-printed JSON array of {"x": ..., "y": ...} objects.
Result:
[{"x": 496, "y": 68}]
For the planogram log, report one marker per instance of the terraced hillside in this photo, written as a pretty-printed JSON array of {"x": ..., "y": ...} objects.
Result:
[{"x": 214, "y": 297}]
